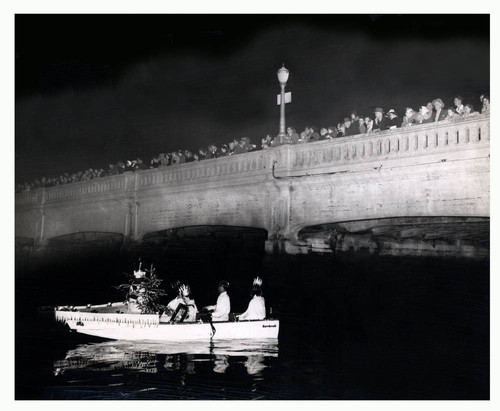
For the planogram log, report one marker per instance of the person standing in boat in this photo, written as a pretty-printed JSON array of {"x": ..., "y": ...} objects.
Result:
[
  {"x": 257, "y": 306},
  {"x": 221, "y": 310},
  {"x": 187, "y": 306}
]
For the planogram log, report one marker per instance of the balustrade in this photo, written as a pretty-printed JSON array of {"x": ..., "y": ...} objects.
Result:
[{"x": 424, "y": 138}]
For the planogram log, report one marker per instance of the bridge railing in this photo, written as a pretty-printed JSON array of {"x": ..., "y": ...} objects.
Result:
[
  {"x": 84, "y": 188},
  {"x": 412, "y": 141},
  {"x": 289, "y": 159},
  {"x": 29, "y": 198},
  {"x": 253, "y": 163}
]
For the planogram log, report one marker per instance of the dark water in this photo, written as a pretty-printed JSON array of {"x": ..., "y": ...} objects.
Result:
[{"x": 352, "y": 327}]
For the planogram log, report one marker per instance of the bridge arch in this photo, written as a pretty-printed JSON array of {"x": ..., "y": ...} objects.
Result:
[{"x": 430, "y": 235}]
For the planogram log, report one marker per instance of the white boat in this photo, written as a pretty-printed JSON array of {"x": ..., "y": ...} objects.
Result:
[{"x": 112, "y": 321}]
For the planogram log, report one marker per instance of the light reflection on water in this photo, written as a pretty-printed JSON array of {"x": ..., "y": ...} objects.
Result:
[
  {"x": 184, "y": 357},
  {"x": 352, "y": 330}
]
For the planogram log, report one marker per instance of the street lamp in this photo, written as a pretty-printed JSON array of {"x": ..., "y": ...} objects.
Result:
[{"x": 282, "y": 78}]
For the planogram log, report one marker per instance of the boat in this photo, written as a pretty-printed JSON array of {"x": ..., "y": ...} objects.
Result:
[{"x": 116, "y": 321}]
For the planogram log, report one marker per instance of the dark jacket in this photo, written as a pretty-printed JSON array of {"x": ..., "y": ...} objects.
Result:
[
  {"x": 442, "y": 115},
  {"x": 314, "y": 137},
  {"x": 383, "y": 124}
]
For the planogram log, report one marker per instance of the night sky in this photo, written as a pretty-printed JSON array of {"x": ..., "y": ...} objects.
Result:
[{"x": 97, "y": 89}]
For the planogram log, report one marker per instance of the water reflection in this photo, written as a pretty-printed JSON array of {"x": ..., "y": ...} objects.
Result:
[{"x": 157, "y": 357}]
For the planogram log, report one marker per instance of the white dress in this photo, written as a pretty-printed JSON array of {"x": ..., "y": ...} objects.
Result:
[{"x": 256, "y": 309}]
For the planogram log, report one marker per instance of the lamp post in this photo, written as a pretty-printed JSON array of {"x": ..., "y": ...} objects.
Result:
[{"x": 282, "y": 78}]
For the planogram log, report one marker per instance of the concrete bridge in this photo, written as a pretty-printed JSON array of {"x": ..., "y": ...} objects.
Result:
[{"x": 404, "y": 189}]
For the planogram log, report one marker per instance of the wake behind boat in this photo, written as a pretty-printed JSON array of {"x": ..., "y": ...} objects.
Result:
[{"x": 112, "y": 321}]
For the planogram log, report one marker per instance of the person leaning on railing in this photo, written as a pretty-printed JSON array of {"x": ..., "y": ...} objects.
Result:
[
  {"x": 438, "y": 113},
  {"x": 485, "y": 101},
  {"x": 469, "y": 111},
  {"x": 380, "y": 123}
]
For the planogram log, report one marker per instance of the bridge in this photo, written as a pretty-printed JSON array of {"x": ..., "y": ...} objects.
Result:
[{"x": 411, "y": 190}]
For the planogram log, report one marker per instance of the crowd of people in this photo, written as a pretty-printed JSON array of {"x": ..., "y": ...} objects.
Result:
[
  {"x": 352, "y": 125},
  {"x": 355, "y": 124},
  {"x": 183, "y": 307}
]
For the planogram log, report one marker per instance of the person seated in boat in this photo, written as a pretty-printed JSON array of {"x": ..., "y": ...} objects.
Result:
[
  {"x": 221, "y": 310},
  {"x": 257, "y": 306},
  {"x": 171, "y": 308},
  {"x": 187, "y": 307}
]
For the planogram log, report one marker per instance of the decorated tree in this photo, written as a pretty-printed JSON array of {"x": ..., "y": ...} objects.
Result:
[{"x": 143, "y": 288}]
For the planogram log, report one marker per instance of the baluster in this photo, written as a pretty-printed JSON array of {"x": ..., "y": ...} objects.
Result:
[
  {"x": 440, "y": 138},
  {"x": 299, "y": 160},
  {"x": 398, "y": 143},
  {"x": 328, "y": 154},
  {"x": 345, "y": 152},
  {"x": 337, "y": 153},
  {"x": 369, "y": 148},
  {"x": 314, "y": 157},
  {"x": 474, "y": 135},
  {"x": 387, "y": 146}
]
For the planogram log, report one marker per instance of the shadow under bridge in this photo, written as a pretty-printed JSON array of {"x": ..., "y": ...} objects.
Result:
[
  {"x": 426, "y": 236},
  {"x": 203, "y": 255},
  {"x": 205, "y": 239}
]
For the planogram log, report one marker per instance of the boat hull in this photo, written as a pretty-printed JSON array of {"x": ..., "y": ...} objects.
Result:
[{"x": 148, "y": 327}]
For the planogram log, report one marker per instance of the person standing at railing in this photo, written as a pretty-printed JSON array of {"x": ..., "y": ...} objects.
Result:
[
  {"x": 369, "y": 125},
  {"x": 469, "y": 111},
  {"x": 459, "y": 107},
  {"x": 313, "y": 135},
  {"x": 486, "y": 105},
  {"x": 349, "y": 130},
  {"x": 380, "y": 123},
  {"x": 451, "y": 114},
  {"x": 439, "y": 114},
  {"x": 332, "y": 132},
  {"x": 423, "y": 116},
  {"x": 292, "y": 134},
  {"x": 323, "y": 133},
  {"x": 212, "y": 151},
  {"x": 393, "y": 118},
  {"x": 354, "y": 130}
]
